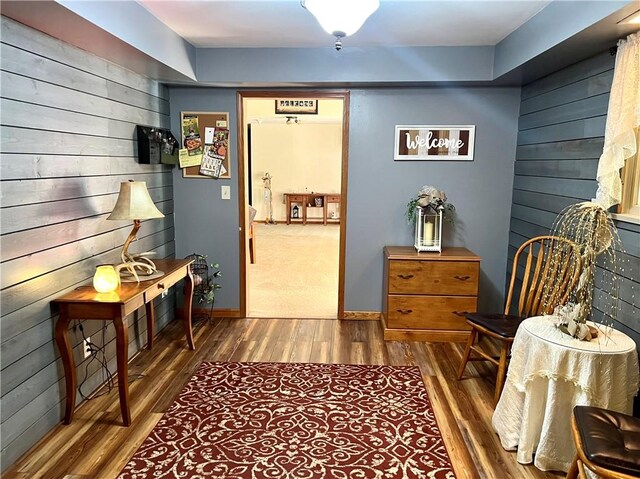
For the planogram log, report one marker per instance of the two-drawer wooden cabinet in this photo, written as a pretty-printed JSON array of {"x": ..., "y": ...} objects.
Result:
[{"x": 426, "y": 295}]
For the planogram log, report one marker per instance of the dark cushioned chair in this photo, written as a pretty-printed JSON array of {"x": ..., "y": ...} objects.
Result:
[
  {"x": 608, "y": 443},
  {"x": 551, "y": 267}
]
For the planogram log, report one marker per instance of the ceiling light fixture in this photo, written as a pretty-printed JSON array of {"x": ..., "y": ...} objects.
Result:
[{"x": 341, "y": 18}]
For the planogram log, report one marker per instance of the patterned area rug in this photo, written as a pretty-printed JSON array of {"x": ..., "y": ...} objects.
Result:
[{"x": 279, "y": 420}]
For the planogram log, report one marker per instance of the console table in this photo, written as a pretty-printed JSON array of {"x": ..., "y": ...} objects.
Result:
[
  {"x": 86, "y": 304},
  {"x": 310, "y": 200}
]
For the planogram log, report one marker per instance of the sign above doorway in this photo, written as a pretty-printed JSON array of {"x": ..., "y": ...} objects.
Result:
[{"x": 300, "y": 106}]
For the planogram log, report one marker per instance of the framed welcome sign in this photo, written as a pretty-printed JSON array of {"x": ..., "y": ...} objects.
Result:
[{"x": 426, "y": 142}]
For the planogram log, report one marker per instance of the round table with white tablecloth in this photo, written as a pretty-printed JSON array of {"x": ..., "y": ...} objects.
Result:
[{"x": 548, "y": 375}]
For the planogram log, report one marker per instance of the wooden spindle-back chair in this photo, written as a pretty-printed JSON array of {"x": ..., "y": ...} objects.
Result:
[{"x": 551, "y": 267}]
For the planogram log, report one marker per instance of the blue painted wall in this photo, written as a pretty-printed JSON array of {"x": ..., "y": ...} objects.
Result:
[
  {"x": 208, "y": 224},
  {"x": 350, "y": 66},
  {"x": 557, "y": 22},
  {"x": 378, "y": 188}
]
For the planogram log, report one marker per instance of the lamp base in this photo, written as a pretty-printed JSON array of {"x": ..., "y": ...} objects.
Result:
[
  {"x": 137, "y": 267},
  {"x": 126, "y": 277}
]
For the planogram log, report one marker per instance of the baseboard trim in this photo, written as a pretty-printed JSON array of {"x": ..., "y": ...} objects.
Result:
[
  {"x": 362, "y": 315},
  {"x": 235, "y": 314},
  {"x": 217, "y": 313}
]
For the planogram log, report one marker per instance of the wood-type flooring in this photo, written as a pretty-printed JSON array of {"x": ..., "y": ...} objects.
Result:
[{"x": 95, "y": 445}]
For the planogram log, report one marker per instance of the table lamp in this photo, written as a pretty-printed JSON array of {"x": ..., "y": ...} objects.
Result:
[{"x": 134, "y": 203}]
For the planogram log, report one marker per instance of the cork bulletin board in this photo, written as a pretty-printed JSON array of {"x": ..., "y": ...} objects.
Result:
[{"x": 206, "y": 120}]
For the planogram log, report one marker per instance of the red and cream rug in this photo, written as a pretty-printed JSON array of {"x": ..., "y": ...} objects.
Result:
[{"x": 280, "y": 420}]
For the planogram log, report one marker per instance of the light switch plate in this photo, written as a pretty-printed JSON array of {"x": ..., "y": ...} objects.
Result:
[{"x": 226, "y": 192}]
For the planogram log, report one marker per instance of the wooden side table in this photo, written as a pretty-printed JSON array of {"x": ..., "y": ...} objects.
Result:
[
  {"x": 292, "y": 198},
  {"x": 336, "y": 199},
  {"x": 308, "y": 200},
  {"x": 549, "y": 367},
  {"x": 426, "y": 295},
  {"x": 86, "y": 304}
]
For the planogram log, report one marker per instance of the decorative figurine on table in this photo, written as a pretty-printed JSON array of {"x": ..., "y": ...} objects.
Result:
[
  {"x": 592, "y": 230},
  {"x": 426, "y": 211}
]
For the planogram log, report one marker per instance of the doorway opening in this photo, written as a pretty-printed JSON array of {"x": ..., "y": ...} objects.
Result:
[{"x": 292, "y": 185}]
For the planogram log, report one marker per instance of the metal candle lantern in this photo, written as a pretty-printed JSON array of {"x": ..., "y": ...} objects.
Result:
[
  {"x": 428, "y": 235},
  {"x": 426, "y": 211}
]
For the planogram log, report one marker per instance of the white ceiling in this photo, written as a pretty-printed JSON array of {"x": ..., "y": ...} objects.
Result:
[{"x": 284, "y": 23}]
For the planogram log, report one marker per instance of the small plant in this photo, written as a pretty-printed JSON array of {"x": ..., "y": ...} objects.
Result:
[
  {"x": 205, "y": 291},
  {"x": 430, "y": 197}
]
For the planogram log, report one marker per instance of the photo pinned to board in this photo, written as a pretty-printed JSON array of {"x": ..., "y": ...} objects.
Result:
[
  {"x": 192, "y": 140},
  {"x": 216, "y": 144}
]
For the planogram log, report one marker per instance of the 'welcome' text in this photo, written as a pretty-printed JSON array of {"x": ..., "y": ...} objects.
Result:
[{"x": 431, "y": 142}]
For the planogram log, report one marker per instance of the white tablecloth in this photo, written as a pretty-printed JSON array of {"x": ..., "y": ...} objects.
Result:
[{"x": 548, "y": 375}]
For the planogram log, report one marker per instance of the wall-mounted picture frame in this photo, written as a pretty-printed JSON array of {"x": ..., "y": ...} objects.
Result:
[
  {"x": 299, "y": 106},
  {"x": 204, "y": 125},
  {"x": 434, "y": 142}
]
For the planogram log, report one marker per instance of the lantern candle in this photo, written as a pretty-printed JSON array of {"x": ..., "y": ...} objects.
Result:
[{"x": 428, "y": 232}]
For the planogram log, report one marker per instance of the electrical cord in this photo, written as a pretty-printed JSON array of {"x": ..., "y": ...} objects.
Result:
[{"x": 96, "y": 353}]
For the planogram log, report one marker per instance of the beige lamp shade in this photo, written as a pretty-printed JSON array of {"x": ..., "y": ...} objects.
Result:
[{"x": 134, "y": 203}]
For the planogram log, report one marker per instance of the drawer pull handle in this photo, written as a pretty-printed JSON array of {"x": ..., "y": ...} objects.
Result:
[
  {"x": 405, "y": 276},
  {"x": 462, "y": 278},
  {"x": 404, "y": 311},
  {"x": 458, "y": 313},
  {"x": 160, "y": 285}
]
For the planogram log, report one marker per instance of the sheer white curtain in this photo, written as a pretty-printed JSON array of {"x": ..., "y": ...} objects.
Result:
[{"x": 623, "y": 117}]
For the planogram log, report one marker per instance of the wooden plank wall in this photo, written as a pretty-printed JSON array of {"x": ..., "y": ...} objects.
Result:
[
  {"x": 560, "y": 139},
  {"x": 67, "y": 141}
]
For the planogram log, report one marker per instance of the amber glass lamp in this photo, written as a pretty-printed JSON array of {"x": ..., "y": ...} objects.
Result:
[
  {"x": 135, "y": 204},
  {"x": 106, "y": 279}
]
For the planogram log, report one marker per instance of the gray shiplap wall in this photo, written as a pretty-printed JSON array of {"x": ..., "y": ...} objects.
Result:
[
  {"x": 67, "y": 141},
  {"x": 560, "y": 138}
]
